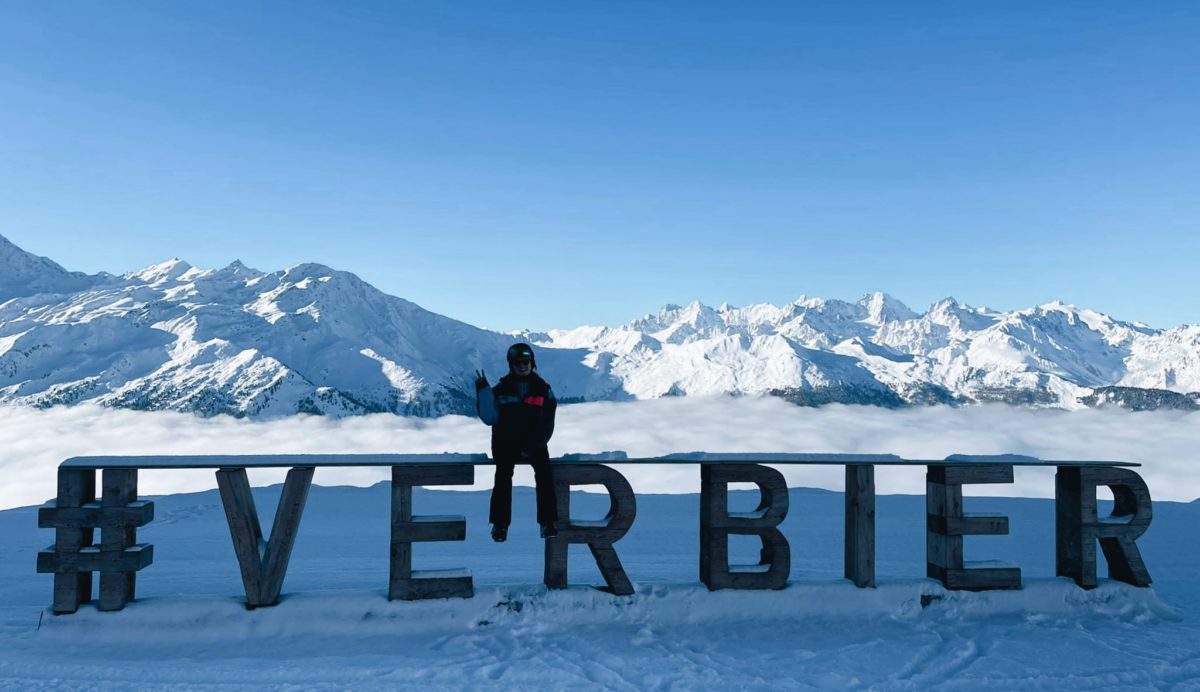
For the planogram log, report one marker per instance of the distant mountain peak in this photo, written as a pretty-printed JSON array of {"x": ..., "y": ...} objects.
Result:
[
  {"x": 25, "y": 274},
  {"x": 882, "y": 307},
  {"x": 163, "y": 271},
  {"x": 237, "y": 267}
]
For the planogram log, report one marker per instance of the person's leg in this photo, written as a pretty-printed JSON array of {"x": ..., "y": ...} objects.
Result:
[
  {"x": 547, "y": 506},
  {"x": 501, "y": 510}
]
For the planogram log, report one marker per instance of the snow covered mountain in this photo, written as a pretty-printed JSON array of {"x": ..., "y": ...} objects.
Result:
[
  {"x": 239, "y": 341},
  {"x": 311, "y": 339},
  {"x": 879, "y": 351},
  {"x": 23, "y": 274}
]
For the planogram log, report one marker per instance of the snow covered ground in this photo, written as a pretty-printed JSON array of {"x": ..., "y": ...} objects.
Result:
[{"x": 336, "y": 630}]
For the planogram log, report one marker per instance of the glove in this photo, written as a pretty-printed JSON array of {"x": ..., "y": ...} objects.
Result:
[{"x": 481, "y": 381}]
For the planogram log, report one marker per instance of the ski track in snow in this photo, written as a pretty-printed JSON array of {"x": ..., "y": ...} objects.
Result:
[{"x": 934, "y": 652}]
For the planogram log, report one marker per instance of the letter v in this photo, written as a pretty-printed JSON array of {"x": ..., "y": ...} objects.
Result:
[{"x": 263, "y": 570}]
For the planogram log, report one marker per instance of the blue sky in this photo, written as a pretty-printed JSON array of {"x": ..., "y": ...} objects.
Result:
[{"x": 537, "y": 165}]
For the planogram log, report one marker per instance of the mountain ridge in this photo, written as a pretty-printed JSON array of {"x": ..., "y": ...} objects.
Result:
[{"x": 313, "y": 339}]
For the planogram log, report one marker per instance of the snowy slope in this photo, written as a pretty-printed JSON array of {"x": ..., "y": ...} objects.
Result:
[
  {"x": 311, "y": 339},
  {"x": 335, "y": 629},
  {"x": 24, "y": 274}
]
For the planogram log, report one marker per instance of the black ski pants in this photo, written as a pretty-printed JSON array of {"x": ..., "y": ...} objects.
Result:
[{"x": 506, "y": 459}]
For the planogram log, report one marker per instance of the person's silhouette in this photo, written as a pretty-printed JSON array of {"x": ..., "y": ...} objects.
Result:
[{"x": 520, "y": 409}]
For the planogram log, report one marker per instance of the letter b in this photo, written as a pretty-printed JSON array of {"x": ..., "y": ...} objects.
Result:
[{"x": 717, "y": 522}]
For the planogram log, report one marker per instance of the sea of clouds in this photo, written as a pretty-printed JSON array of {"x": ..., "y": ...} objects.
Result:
[{"x": 33, "y": 442}]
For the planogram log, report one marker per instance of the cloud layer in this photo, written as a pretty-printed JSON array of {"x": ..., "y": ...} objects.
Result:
[{"x": 33, "y": 442}]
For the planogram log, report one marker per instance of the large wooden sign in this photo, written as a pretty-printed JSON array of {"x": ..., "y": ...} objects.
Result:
[{"x": 76, "y": 514}]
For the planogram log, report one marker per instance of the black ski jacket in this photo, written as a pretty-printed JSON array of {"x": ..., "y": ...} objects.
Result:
[{"x": 521, "y": 412}]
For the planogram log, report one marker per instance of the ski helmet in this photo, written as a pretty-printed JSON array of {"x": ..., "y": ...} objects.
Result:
[{"x": 521, "y": 351}]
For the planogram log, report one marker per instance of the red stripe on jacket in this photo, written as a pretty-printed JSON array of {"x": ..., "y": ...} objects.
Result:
[{"x": 535, "y": 400}]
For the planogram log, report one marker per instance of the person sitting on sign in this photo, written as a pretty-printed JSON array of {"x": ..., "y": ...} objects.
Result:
[{"x": 520, "y": 409}]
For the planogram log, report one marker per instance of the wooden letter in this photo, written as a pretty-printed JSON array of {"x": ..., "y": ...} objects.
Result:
[
  {"x": 946, "y": 525},
  {"x": 75, "y": 515},
  {"x": 1077, "y": 526},
  {"x": 407, "y": 529},
  {"x": 717, "y": 523},
  {"x": 598, "y": 535},
  {"x": 860, "y": 524},
  {"x": 263, "y": 570}
]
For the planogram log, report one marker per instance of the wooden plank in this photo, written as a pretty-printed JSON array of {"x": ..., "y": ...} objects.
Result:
[
  {"x": 283, "y": 533},
  {"x": 1073, "y": 557},
  {"x": 117, "y": 587},
  {"x": 611, "y": 568},
  {"x": 424, "y": 584},
  {"x": 944, "y": 551},
  {"x": 261, "y": 461},
  {"x": 577, "y": 533},
  {"x": 554, "y": 564},
  {"x": 244, "y": 528},
  {"x": 213, "y": 461},
  {"x": 94, "y": 515},
  {"x": 401, "y": 566},
  {"x": 429, "y": 528},
  {"x": 402, "y": 502},
  {"x": 859, "y": 553},
  {"x": 433, "y": 474},
  {"x": 977, "y": 473},
  {"x": 969, "y": 525},
  {"x": 75, "y": 488},
  {"x": 93, "y": 559},
  {"x": 982, "y": 578},
  {"x": 941, "y": 500}
]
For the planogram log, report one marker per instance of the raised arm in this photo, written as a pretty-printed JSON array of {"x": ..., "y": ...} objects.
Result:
[{"x": 485, "y": 399}]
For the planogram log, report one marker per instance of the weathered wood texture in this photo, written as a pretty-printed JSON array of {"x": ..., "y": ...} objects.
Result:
[
  {"x": 263, "y": 567},
  {"x": 119, "y": 489},
  {"x": 93, "y": 559},
  {"x": 598, "y": 535},
  {"x": 946, "y": 524},
  {"x": 1077, "y": 526},
  {"x": 860, "y": 525},
  {"x": 94, "y": 515},
  {"x": 717, "y": 523},
  {"x": 75, "y": 514},
  {"x": 71, "y": 588},
  {"x": 245, "y": 461},
  {"x": 407, "y": 528}
]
